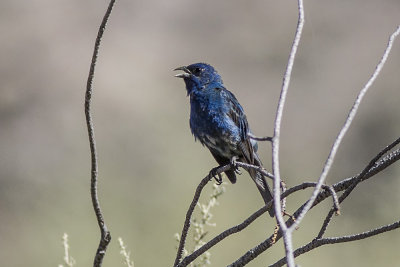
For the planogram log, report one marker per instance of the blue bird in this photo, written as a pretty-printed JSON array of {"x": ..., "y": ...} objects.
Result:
[{"x": 218, "y": 121}]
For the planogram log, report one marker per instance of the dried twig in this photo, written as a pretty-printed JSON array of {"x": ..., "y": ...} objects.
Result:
[
  {"x": 276, "y": 138},
  {"x": 186, "y": 225},
  {"x": 335, "y": 240},
  {"x": 355, "y": 183},
  {"x": 105, "y": 234},
  {"x": 264, "y": 138}
]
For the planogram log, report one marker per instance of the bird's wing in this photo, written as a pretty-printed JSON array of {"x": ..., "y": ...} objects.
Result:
[
  {"x": 237, "y": 115},
  {"x": 248, "y": 149}
]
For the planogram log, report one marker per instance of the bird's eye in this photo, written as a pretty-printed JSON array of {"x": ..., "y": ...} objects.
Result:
[{"x": 196, "y": 71}]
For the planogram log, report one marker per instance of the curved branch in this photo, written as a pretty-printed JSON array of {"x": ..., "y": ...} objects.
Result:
[
  {"x": 349, "y": 120},
  {"x": 335, "y": 240},
  {"x": 237, "y": 228},
  {"x": 276, "y": 138},
  {"x": 264, "y": 138},
  {"x": 105, "y": 234},
  {"x": 355, "y": 183},
  {"x": 257, "y": 168},
  {"x": 186, "y": 225}
]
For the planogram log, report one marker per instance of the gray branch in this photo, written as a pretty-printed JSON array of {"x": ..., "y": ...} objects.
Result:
[
  {"x": 214, "y": 172},
  {"x": 276, "y": 138},
  {"x": 355, "y": 183},
  {"x": 335, "y": 240},
  {"x": 105, "y": 234}
]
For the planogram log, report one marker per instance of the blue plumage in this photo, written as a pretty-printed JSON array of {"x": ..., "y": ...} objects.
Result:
[{"x": 218, "y": 121}]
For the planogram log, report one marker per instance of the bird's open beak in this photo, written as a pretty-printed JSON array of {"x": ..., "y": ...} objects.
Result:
[{"x": 186, "y": 73}]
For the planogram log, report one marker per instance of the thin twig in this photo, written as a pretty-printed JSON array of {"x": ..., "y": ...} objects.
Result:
[
  {"x": 276, "y": 137},
  {"x": 336, "y": 206},
  {"x": 257, "y": 168},
  {"x": 264, "y": 138},
  {"x": 105, "y": 234},
  {"x": 355, "y": 183},
  {"x": 237, "y": 228},
  {"x": 335, "y": 240},
  {"x": 186, "y": 225},
  {"x": 339, "y": 138}
]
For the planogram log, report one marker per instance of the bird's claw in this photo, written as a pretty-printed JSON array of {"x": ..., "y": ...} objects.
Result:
[
  {"x": 217, "y": 176},
  {"x": 235, "y": 167}
]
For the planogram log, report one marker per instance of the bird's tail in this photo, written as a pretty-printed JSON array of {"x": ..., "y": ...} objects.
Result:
[{"x": 262, "y": 185}]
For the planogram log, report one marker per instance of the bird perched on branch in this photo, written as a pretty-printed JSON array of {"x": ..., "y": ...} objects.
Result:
[{"x": 218, "y": 121}]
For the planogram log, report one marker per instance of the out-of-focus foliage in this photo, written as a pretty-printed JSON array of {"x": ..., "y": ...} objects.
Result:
[{"x": 149, "y": 162}]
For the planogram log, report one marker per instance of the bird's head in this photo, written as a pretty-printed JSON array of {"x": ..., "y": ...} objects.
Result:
[{"x": 198, "y": 76}]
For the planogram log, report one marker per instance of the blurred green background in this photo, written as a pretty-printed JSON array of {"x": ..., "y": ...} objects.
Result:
[{"x": 149, "y": 164}]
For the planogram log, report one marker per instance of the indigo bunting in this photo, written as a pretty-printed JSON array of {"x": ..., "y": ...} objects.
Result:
[{"x": 218, "y": 121}]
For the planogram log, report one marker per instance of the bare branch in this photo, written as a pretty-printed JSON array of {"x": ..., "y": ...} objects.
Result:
[
  {"x": 237, "y": 228},
  {"x": 276, "y": 137},
  {"x": 199, "y": 189},
  {"x": 105, "y": 234},
  {"x": 355, "y": 183},
  {"x": 340, "y": 186},
  {"x": 336, "y": 206},
  {"x": 335, "y": 240},
  {"x": 257, "y": 168},
  {"x": 266, "y": 138},
  {"x": 339, "y": 138}
]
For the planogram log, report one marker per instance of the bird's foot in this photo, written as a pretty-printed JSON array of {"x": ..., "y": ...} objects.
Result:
[
  {"x": 235, "y": 167},
  {"x": 217, "y": 176}
]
